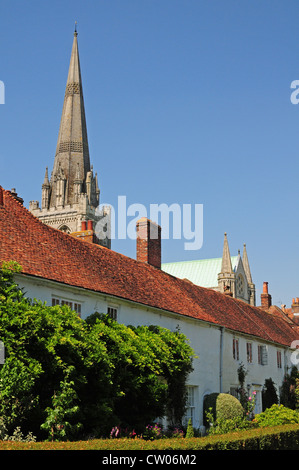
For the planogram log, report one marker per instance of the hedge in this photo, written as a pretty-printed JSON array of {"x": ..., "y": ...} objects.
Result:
[{"x": 285, "y": 437}]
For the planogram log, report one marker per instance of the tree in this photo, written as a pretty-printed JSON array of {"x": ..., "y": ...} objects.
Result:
[
  {"x": 288, "y": 387},
  {"x": 41, "y": 344},
  {"x": 64, "y": 375},
  {"x": 269, "y": 394}
]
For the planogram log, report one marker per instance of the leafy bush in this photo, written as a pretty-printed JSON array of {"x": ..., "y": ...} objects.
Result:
[
  {"x": 269, "y": 394},
  {"x": 276, "y": 415},
  {"x": 66, "y": 378},
  {"x": 223, "y": 406},
  {"x": 284, "y": 437},
  {"x": 190, "y": 430}
]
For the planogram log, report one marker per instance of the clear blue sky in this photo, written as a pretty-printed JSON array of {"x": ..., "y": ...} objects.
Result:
[{"x": 187, "y": 101}]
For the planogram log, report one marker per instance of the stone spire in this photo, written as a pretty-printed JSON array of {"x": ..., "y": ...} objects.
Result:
[
  {"x": 72, "y": 195},
  {"x": 246, "y": 265},
  {"x": 226, "y": 266},
  {"x": 227, "y": 277},
  {"x": 72, "y": 144},
  {"x": 251, "y": 285}
]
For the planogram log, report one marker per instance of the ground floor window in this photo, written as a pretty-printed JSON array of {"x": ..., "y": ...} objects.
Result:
[{"x": 190, "y": 413}]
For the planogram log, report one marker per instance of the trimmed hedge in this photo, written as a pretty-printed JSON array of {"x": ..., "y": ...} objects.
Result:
[
  {"x": 284, "y": 437},
  {"x": 223, "y": 405}
]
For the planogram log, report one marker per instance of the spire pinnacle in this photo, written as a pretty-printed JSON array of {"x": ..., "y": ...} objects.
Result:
[
  {"x": 226, "y": 266},
  {"x": 246, "y": 265},
  {"x": 75, "y": 32}
]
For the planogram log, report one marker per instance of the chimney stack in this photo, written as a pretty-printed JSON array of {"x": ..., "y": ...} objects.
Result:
[
  {"x": 1, "y": 196},
  {"x": 295, "y": 305},
  {"x": 86, "y": 233},
  {"x": 148, "y": 242},
  {"x": 266, "y": 300}
]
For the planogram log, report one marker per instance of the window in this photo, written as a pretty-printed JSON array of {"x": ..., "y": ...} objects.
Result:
[
  {"x": 236, "y": 349},
  {"x": 262, "y": 355},
  {"x": 73, "y": 305},
  {"x": 190, "y": 412},
  {"x": 112, "y": 312},
  {"x": 234, "y": 391},
  {"x": 249, "y": 352},
  {"x": 279, "y": 361}
]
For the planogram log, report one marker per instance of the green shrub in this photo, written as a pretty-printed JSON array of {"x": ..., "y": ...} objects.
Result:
[
  {"x": 223, "y": 405},
  {"x": 277, "y": 415},
  {"x": 284, "y": 437},
  {"x": 190, "y": 430}
]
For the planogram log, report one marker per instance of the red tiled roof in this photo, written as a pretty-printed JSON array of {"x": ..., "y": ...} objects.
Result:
[{"x": 48, "y": 253}]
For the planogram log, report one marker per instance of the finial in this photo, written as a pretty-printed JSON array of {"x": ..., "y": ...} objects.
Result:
[{"x": 75, "y": 32}]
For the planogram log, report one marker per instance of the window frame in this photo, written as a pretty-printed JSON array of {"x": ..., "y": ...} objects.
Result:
[
  {"x": 249, "y": 354},
  {"x": 112, "y": 311},
  {"x": 74, "y": 305},
  {"x": 236, "y": 349}
]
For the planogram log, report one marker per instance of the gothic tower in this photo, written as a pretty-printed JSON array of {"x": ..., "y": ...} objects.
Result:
[
  {"x": 227, "y": 277},
  {"x": 70, "y": 199}
]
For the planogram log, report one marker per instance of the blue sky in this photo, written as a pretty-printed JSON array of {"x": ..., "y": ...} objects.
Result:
[{"x": 187, "y": 101}]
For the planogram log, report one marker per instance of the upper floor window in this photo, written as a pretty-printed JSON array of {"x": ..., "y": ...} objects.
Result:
[
  {"x": 76, "y": 306},
  {"x": 262, "y": 354},
  {"x": 112, "y": 312},
  {"x": 279, "y": 360},
  {"x": 236, "y": 349},
  {"x": 249, "y": 352}
]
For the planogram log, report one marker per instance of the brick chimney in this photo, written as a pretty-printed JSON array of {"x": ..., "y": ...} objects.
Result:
[
  {"x": 86, "y": 233},
  {"x": 1, "y": 196},
  {"x": 266, "y": 300},
  {"x": 148, "y": 242},
  {"x": 295, "y": 305},
  {"x": 15, "y": 195}
]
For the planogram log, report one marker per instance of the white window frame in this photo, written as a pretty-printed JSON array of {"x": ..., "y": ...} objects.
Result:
[
  {"x": 262, "y": 354},
  {"x": 190, "y": 411},
  {"x": 74, "y": 305},
  {"x": 236, "y": 349},
  {"x": 112, "y": 311},
  {"x": 249, "y": 352},
  {"x": 279, "y": 359}
]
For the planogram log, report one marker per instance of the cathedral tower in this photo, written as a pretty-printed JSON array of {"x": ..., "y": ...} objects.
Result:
[
  {"x": 71, "y": 197},
  {"x": 227, "y": 277}
]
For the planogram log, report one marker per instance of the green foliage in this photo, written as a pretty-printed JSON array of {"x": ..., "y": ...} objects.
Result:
[
  {"x": 221, "y": 406},
  {"x": 284, "y": 437},
  {"x": 150, "y": 368},
  {"x": 287, "y": 391},
  {"x": 58, "y": 422},
  {"x": 190, "y": 430},
  {"x": 276, "y": 415},
  {"x": 269, "y": 394},
  {"x": 63, "y": 376}
]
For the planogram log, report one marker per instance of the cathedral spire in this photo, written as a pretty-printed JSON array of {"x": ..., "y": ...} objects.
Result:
[
  {"x": 72, "y": 194},
  {"x": 72, "y": 144},
  {"x": 227, "y": 277},
  {"x": 246, "y": 265},
  {"x": 226, "y": 266}
]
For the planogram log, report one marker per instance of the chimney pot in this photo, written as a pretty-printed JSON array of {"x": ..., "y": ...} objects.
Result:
[
  {"x": 265, "y": 288},
  {"x": 83, "y": 225},
  {"x": 89, "y": 225}
]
